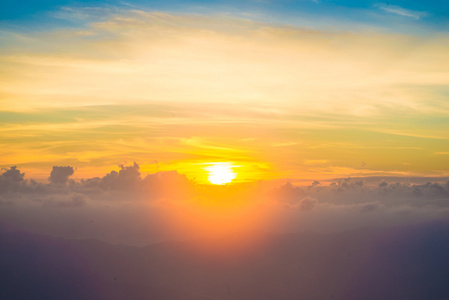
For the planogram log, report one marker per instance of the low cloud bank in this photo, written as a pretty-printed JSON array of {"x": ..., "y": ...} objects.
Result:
[{"x": 124, "y": 207}]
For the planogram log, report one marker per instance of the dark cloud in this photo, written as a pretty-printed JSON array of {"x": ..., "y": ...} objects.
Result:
[
  {"x": 349, "y": 184},
  {"x": 13, "y": 175},
  {"x": 383, "y": 184},
  {"x": 127, "y": 178},
  {"x": 395, "y": 194},
  {"x": 11, "y": 179},
  {"x": 60, "y": 175}
]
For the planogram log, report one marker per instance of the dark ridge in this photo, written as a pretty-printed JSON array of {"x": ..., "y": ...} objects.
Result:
[{"x": 409, "y": 262}]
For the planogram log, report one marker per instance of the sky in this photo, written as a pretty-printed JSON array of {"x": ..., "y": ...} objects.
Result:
[
  {"x": 136, "y": 121},
  {"x": 283, "y": 90},
  {"x": 250, "y": 149}
]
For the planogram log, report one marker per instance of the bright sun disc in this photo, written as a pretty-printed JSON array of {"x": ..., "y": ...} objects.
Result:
[{"x": 220, "y": 173}]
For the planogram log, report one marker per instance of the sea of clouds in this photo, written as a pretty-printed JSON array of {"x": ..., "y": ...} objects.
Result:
[{"x": 125, "y": 207}]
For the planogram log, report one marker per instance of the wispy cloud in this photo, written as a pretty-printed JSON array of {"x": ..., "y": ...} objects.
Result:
[
  {"x": 173, "y": 87},
  {"x": 397, "y": 10}
]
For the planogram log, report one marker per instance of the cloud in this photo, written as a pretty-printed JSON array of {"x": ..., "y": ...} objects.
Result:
[
  {"x": 11, "y": 179},
  {"x": 127, "y": 178},
  {"x": 397, "y": 10},
  {"x": 70, "y": 200},
  {"x": 314, "y": 91},
  {"x": 13, "y": 175},
  {"x": 167, "y": 205},
  {"x": 294, "y": 197},
  {"x": 306, "y": 203},
  {"x": 212, "y": 54},
  {"x": 389, "y": 192},
  {"x": 60, "y": 175}
]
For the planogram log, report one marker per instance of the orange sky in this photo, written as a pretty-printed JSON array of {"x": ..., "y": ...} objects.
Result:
[{"x": 178, "y": 92}]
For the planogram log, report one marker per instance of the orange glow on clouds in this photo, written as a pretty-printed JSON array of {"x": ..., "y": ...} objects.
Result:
[
  {"x": 222, "y": 216},
  {"x": 156, "y": 87}
]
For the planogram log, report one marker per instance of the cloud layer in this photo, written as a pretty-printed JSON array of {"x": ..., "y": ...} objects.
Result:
[{"x": 123, "y": 207}]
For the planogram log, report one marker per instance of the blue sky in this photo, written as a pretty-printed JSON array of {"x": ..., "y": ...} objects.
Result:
[{"x": 399, "y": 15}]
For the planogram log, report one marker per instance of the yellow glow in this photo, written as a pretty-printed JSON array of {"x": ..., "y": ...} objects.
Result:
[
  {"x": 220, "y": 173},
  {"x": 184, "y": 80},
  {"x": 220, "y": 217}
]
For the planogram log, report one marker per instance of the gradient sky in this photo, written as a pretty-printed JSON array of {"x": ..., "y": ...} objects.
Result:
[{"x": 281, "y": 89}]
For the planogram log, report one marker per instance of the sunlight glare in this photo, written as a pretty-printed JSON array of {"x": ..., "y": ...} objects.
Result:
[{"x": 220, "y": 173}]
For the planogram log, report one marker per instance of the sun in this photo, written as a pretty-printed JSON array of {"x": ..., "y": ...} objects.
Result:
[{"x": 220, "y": 173}]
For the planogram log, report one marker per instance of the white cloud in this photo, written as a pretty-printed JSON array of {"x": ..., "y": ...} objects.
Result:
[{"x": 397, "y": 10}]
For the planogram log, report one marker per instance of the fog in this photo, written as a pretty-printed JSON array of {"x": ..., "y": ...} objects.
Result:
[{"x": 126, "y": 208}]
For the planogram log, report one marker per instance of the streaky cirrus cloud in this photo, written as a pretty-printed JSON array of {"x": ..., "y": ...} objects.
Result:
[
  {"x": 165, "y": 85},
  {"x": 398, "y": 10},
  {"x": 145, "y": 50}
]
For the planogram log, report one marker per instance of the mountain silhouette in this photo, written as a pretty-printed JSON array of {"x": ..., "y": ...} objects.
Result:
[{"x": 409, "y": 262}]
